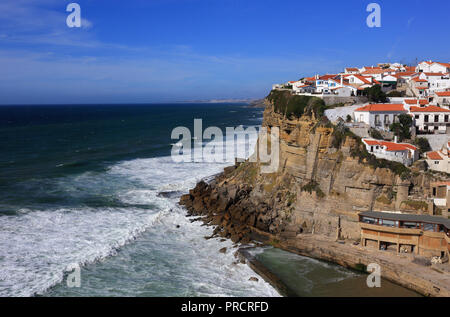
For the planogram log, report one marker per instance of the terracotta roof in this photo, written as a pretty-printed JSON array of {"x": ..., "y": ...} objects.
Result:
[
  {"x": 428, "y": 109},
  {"x": 371, "y": 142},
  {"x": 404, "y": 74},
  {"x": 391, "y": 146},
  {"x": 444, "y": 64},
  {"x": 443, "y": 93},
  {"x": 434, "y": 74},
  {"x": 326, "y": 77},
  {"x": 374, "y": 71},
  {"x": 434, "y": 156},
  {"x": 422, "y": 102},
  {"x": 363, "y": 79},
  {"x": 381, "y": 107},
  {"x": 352, "y": 69}
]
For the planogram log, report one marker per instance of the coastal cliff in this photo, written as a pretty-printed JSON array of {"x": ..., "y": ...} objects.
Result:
[{"x": 325, "y": 178}]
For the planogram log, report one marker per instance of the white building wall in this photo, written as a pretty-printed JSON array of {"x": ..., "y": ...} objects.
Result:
[{"x": 398, "y": 156}]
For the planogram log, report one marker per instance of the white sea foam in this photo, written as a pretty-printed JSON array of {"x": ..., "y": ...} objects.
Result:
[{"x": 38, "y": 245}]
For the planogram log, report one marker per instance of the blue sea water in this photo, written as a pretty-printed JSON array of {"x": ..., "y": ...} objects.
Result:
[{"x": 81, "y": 185}]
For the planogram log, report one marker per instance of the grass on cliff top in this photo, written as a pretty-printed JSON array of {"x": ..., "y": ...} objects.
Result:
[{"x": 296, "y": 106}]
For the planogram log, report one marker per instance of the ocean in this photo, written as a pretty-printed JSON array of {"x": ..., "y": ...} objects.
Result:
[
  {"x": 95, "y": 187},
  {"x": 81, "y": 185}
]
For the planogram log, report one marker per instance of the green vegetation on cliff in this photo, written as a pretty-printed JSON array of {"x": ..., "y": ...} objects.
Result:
[
  {"x": 340, "y": 133},
  {"x": 291, "y": 105},
  {"x": 313, "y": 186}
]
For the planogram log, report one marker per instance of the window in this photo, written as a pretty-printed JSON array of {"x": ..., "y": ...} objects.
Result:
[
  {"x": 410, "y": 225},
  {"x": 417, "y": 117},
  {"x": 368, "y": 220},
  {"x": 396, "y": 118},
  {"x": 390, "y": 223},
  {"x": 377, "y": 120},
  {"x": 436, "y": 118},
  {"x": 428, "y": 227},
  {"x": 446, "y": 118},
  {"x": 426, "y": 118}
]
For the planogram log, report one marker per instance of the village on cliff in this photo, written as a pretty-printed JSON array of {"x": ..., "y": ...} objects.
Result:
[
  {"x": 402, "y": 114},
  {"x": 388, "y": 105}
]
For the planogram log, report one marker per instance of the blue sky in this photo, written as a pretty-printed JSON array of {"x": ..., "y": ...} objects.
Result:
[{"x": 176, "y": 50}]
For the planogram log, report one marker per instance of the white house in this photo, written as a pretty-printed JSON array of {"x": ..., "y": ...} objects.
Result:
[
  {"x": 419, "y": 86},
  {"x": 439, "y": 160},
  {"x": 359, "y": 80},
  {"x": 442, "y": 99},
  {"x": 324, "y": 83},
  {"x": 431, "y": 119},
  {"x": 438, "y": 85},
  {"x": 304, "y": 89},
  {"x": 392, "y": 151},
  {"x": 379, "y": 116},
  {"x": 433, "y": 67}
]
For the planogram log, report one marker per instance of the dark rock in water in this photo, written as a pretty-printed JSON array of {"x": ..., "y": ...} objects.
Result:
[
  {"x": 223, "y": 240},
  {"x": 223, "y": 250},
  {"x": 172, "y": 194},
  {"x": 178, "y": 226},
  {"x": 253, "y": 279}
]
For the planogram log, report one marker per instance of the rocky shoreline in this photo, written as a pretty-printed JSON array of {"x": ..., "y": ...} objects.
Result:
[{"x": 398, "y": 269}]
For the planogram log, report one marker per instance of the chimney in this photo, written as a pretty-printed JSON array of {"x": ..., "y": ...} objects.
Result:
[
  {"x": 395, "y": 139},
  {"x": 342, "y": 80}
]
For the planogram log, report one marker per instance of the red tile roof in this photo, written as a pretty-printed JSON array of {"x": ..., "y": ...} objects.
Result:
[
  {"x": 381, "y": 107},
  {"x": 391, "y": 146},
  {"x": 444, "y": 64},
  {"x": 326, "y": 77},
  {"x": 363, "y": 79},
  {"x": 434, "y": 156},
  {"x": 434, "y": 74},
  {"x": 429, "y": 109},
  {"x": 422, "y": 102},
  {"x": 443, "y": 93},
  {"x": 374, "y": 71}
]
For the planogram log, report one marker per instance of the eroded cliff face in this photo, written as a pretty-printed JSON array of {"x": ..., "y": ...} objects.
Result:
[{"x": 318, "y": 188}]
